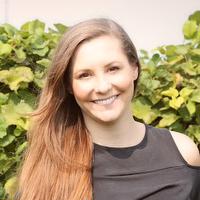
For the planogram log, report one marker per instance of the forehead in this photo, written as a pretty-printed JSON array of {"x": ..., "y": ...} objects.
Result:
[{"x": 98, "y": 51}]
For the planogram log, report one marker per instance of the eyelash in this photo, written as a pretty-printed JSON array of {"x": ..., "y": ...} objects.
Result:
[
  {"x": 86, "y": 75},
  {"x": 115, "y": 68},
  {"x": 83, "y": 75}
]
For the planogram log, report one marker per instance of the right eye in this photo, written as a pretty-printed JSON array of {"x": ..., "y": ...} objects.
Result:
[{"x": 84, "y": 75}]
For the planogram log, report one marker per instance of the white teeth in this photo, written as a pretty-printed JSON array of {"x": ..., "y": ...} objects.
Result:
[{"x": 106, "y": 101}]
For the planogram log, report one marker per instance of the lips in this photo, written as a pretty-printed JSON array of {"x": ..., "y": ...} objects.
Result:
[{"x": 106, "y": 101}]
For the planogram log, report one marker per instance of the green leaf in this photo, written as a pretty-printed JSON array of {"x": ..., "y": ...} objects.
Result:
[
  {"x": 156, "y": 58},
  {"x": 2, "y": 192},
  {"x": 189, "y": 29},
  {"x": 3, "y": 127},
  {"x": 192, "y": 82},
  {"x": 164, "y": 76},
  {"x": 23, "y": 108},
  {"x": 61, "y": 28},
  {"x": 9, "y": 29},
  {"x": 44, "y": 62},
  {"x": 170, "y": 50},
  {"x": 195, "y": 17},
  {"x": 171, "y": 92},
  {"x": 41, "y": 52},
  {"x": 5, "y": 49},
  {"x": 175, "y": 59},
  {"x": 181, "y": 49},
  {"x": 195, "y": 58},
  {"x": 3, "y": 156},
  {"x": 14, "y": 98},
  {"x": 197, "y": 119},
  {"x": 20, "y": 55},
  {"x": 176, "y": 102},
  {"x": 19, "y": 75},
  {"x": 167, "y": 119},
  {"x": 18, "y": 131},
  {"x": 198, "y": 69},
  {"x": 38, "y": 42},
  {"x": 9, "y": 113},
  {"x": 14, "y": 112},
  {"x": 3, "y": 37},
  {"x": 191, "y": 107},
  {"x": 24, "y": 123},
  {"x": 194, "y": 131},
  {"x": 39, "y": 79},
  {"x": 28, "y": 97},
  {"x": 3, "y": 98},
  {"x": 155, "y": 98},
  {"x": 196, "y": 96},
  {"x": 33, "y": 27},
  {"x": 144, "y": 111},
  {"x": 5, "y": 141},
  {"x": 11, "y": 186},
  {"x": 147, "y": 83},
  {"x": 195, "y": 51},
  {"x": 185, "y": 93},
  {"x": 21, "y": 148},
  {"x": 184, "y": 114},
  {"x": 6, "y": 164},
  {"x": 53, "y": 38},
  {"x": 178, "y": 126},
  {"x": 4, "y": 74}
]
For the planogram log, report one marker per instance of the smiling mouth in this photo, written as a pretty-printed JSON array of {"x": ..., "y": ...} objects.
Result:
[{"x": 106, "y": 101}]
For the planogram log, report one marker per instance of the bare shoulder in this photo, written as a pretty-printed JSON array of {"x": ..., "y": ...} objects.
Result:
[{"x": 187, "y": 148}]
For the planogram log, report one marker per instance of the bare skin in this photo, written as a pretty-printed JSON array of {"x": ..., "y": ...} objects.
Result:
[
  {"x": 124, "y": 133},
  {"x": 187, "y": 148}
]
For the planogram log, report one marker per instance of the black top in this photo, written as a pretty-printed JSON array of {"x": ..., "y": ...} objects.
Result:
[{"x": 152, "y": 170}]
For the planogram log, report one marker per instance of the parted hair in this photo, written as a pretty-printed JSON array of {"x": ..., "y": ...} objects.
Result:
[{"x": 57, "y": 164}]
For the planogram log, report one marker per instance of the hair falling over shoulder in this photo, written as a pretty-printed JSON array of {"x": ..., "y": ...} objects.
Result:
[{"x": 57, "y": 164}]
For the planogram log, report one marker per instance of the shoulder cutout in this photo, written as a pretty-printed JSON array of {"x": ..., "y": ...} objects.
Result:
[{"x": 187, "y": 148}]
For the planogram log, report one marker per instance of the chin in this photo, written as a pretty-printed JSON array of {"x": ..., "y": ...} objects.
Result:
[{"x": 107, "y": 119}]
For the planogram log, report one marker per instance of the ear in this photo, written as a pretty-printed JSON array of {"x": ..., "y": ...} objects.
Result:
[{"x": 135, "y": 72}]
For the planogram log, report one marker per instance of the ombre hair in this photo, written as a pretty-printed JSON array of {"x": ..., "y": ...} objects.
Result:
[{"x": 57, "y": 164}]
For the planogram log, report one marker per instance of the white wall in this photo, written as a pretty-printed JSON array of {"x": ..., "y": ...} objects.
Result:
[{"x": 150, "y": 23}]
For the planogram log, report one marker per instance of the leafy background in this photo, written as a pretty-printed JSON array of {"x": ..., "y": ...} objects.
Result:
[
  {"x": 168, "y": 94},
  {"x": 169, "y": 90}
]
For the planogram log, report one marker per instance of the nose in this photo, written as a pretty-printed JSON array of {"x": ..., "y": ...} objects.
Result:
[{"x": 102, "y": 85}]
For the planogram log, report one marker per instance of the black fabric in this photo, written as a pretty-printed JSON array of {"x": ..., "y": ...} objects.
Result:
[{"x": 152, "y": 170}]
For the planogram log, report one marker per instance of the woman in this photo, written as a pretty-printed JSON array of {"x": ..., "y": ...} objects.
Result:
[{"x": 84, "y": 143}]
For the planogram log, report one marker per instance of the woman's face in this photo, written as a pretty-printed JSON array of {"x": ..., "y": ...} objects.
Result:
[{"x": 103, "y": 79}]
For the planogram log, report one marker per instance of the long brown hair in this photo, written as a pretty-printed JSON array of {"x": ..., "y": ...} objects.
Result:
[{"x": 58, "y": 162}]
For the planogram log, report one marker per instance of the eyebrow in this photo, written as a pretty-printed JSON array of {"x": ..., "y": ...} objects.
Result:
[{"x": 83, "y": 69}]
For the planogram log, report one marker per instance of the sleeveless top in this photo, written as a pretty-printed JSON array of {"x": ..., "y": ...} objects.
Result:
[{"x": 151, "y": 170}]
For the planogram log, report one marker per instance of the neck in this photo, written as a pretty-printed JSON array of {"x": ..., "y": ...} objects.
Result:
[{"x": 122, "y": 133}]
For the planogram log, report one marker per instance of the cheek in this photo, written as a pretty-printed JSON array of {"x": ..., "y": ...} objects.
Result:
[
  {"x": 81, "y": 91},
  {"x": 124, "y": 82}
]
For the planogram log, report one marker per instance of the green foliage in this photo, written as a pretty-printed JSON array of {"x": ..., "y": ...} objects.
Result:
[
  {"x": 25, "y": 55},
  {"x": 169, "y": 93}
]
